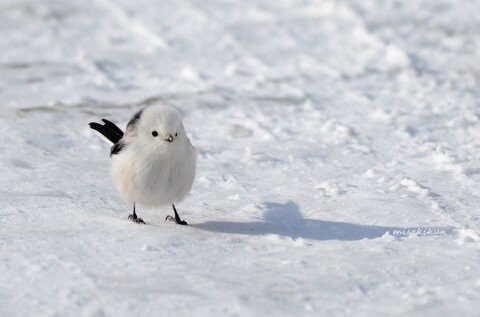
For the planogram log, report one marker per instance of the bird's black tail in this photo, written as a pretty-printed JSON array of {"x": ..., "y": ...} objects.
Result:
[{"x": 108, "y": 129}]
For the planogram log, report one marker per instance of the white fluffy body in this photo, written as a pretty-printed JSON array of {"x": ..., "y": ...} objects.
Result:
[{"x": 150, "y": 170}]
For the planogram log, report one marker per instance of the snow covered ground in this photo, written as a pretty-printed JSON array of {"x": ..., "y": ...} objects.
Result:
[{"x": 327, "y": 131}]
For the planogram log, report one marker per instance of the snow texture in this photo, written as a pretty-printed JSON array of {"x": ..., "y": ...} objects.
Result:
[{"x": 338, "y": 168}]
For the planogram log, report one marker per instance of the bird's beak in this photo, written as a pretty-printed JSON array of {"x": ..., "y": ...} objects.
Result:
[{"x": 170, "y": 138}]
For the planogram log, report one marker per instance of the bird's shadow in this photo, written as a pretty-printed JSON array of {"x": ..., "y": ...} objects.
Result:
[{"x": 286, "y": 220}]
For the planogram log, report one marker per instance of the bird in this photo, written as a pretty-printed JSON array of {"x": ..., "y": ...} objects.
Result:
[{"x": 153, "y": 162}]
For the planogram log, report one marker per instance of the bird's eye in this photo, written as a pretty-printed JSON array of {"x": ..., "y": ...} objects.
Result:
[
  {"x": 155, "y": 133},
  {"x": 176, "y": 134}
]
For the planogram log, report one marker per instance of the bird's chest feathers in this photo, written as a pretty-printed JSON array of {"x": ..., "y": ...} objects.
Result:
[{"x": 157, "y": 169}]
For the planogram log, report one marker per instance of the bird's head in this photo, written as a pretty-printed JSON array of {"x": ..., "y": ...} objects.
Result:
[{"x": 160, "y": 126}]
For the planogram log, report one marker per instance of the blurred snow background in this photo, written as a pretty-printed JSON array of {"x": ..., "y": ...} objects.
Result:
[{"x": 323, "y": 128}]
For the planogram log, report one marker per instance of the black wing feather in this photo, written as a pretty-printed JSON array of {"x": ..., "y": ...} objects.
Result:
[
  {"x": 134, "y": 119},
  {"x": 108, "y": 129},
  {"x": 112, "y": 126},
  {"x": 117, "y": 147}
]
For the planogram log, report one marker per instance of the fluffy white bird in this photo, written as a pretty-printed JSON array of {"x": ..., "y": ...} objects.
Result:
[{"x": 153, "y": 162}]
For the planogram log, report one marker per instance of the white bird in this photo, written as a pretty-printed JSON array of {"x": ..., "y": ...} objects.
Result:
[{"x": 153, "y": 162}]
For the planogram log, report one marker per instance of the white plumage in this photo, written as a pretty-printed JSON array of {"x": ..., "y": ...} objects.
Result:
[{"x": 154, "y": 163}]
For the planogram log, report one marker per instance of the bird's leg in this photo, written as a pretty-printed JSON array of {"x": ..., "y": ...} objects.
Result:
[
  {"x": 177, "y": 217},
  {"x": 133, "y": 217}
]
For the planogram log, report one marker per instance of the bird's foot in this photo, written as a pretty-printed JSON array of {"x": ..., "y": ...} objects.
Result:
[
  {"x": 177, "y": 221},
  {"x": 134, "y": 218}
]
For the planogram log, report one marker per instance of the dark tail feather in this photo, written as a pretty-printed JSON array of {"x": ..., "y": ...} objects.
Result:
[{"x": 108, "y": 129}]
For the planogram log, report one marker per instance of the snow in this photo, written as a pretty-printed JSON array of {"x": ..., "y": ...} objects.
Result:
[{"x": 338, "y": 169}]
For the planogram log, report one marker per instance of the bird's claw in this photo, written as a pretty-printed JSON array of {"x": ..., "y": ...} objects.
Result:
[
  {"x": 136, "y": 219},
  {"x": 177, "y": 221},
  {"x": 182, "y": 222}
]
